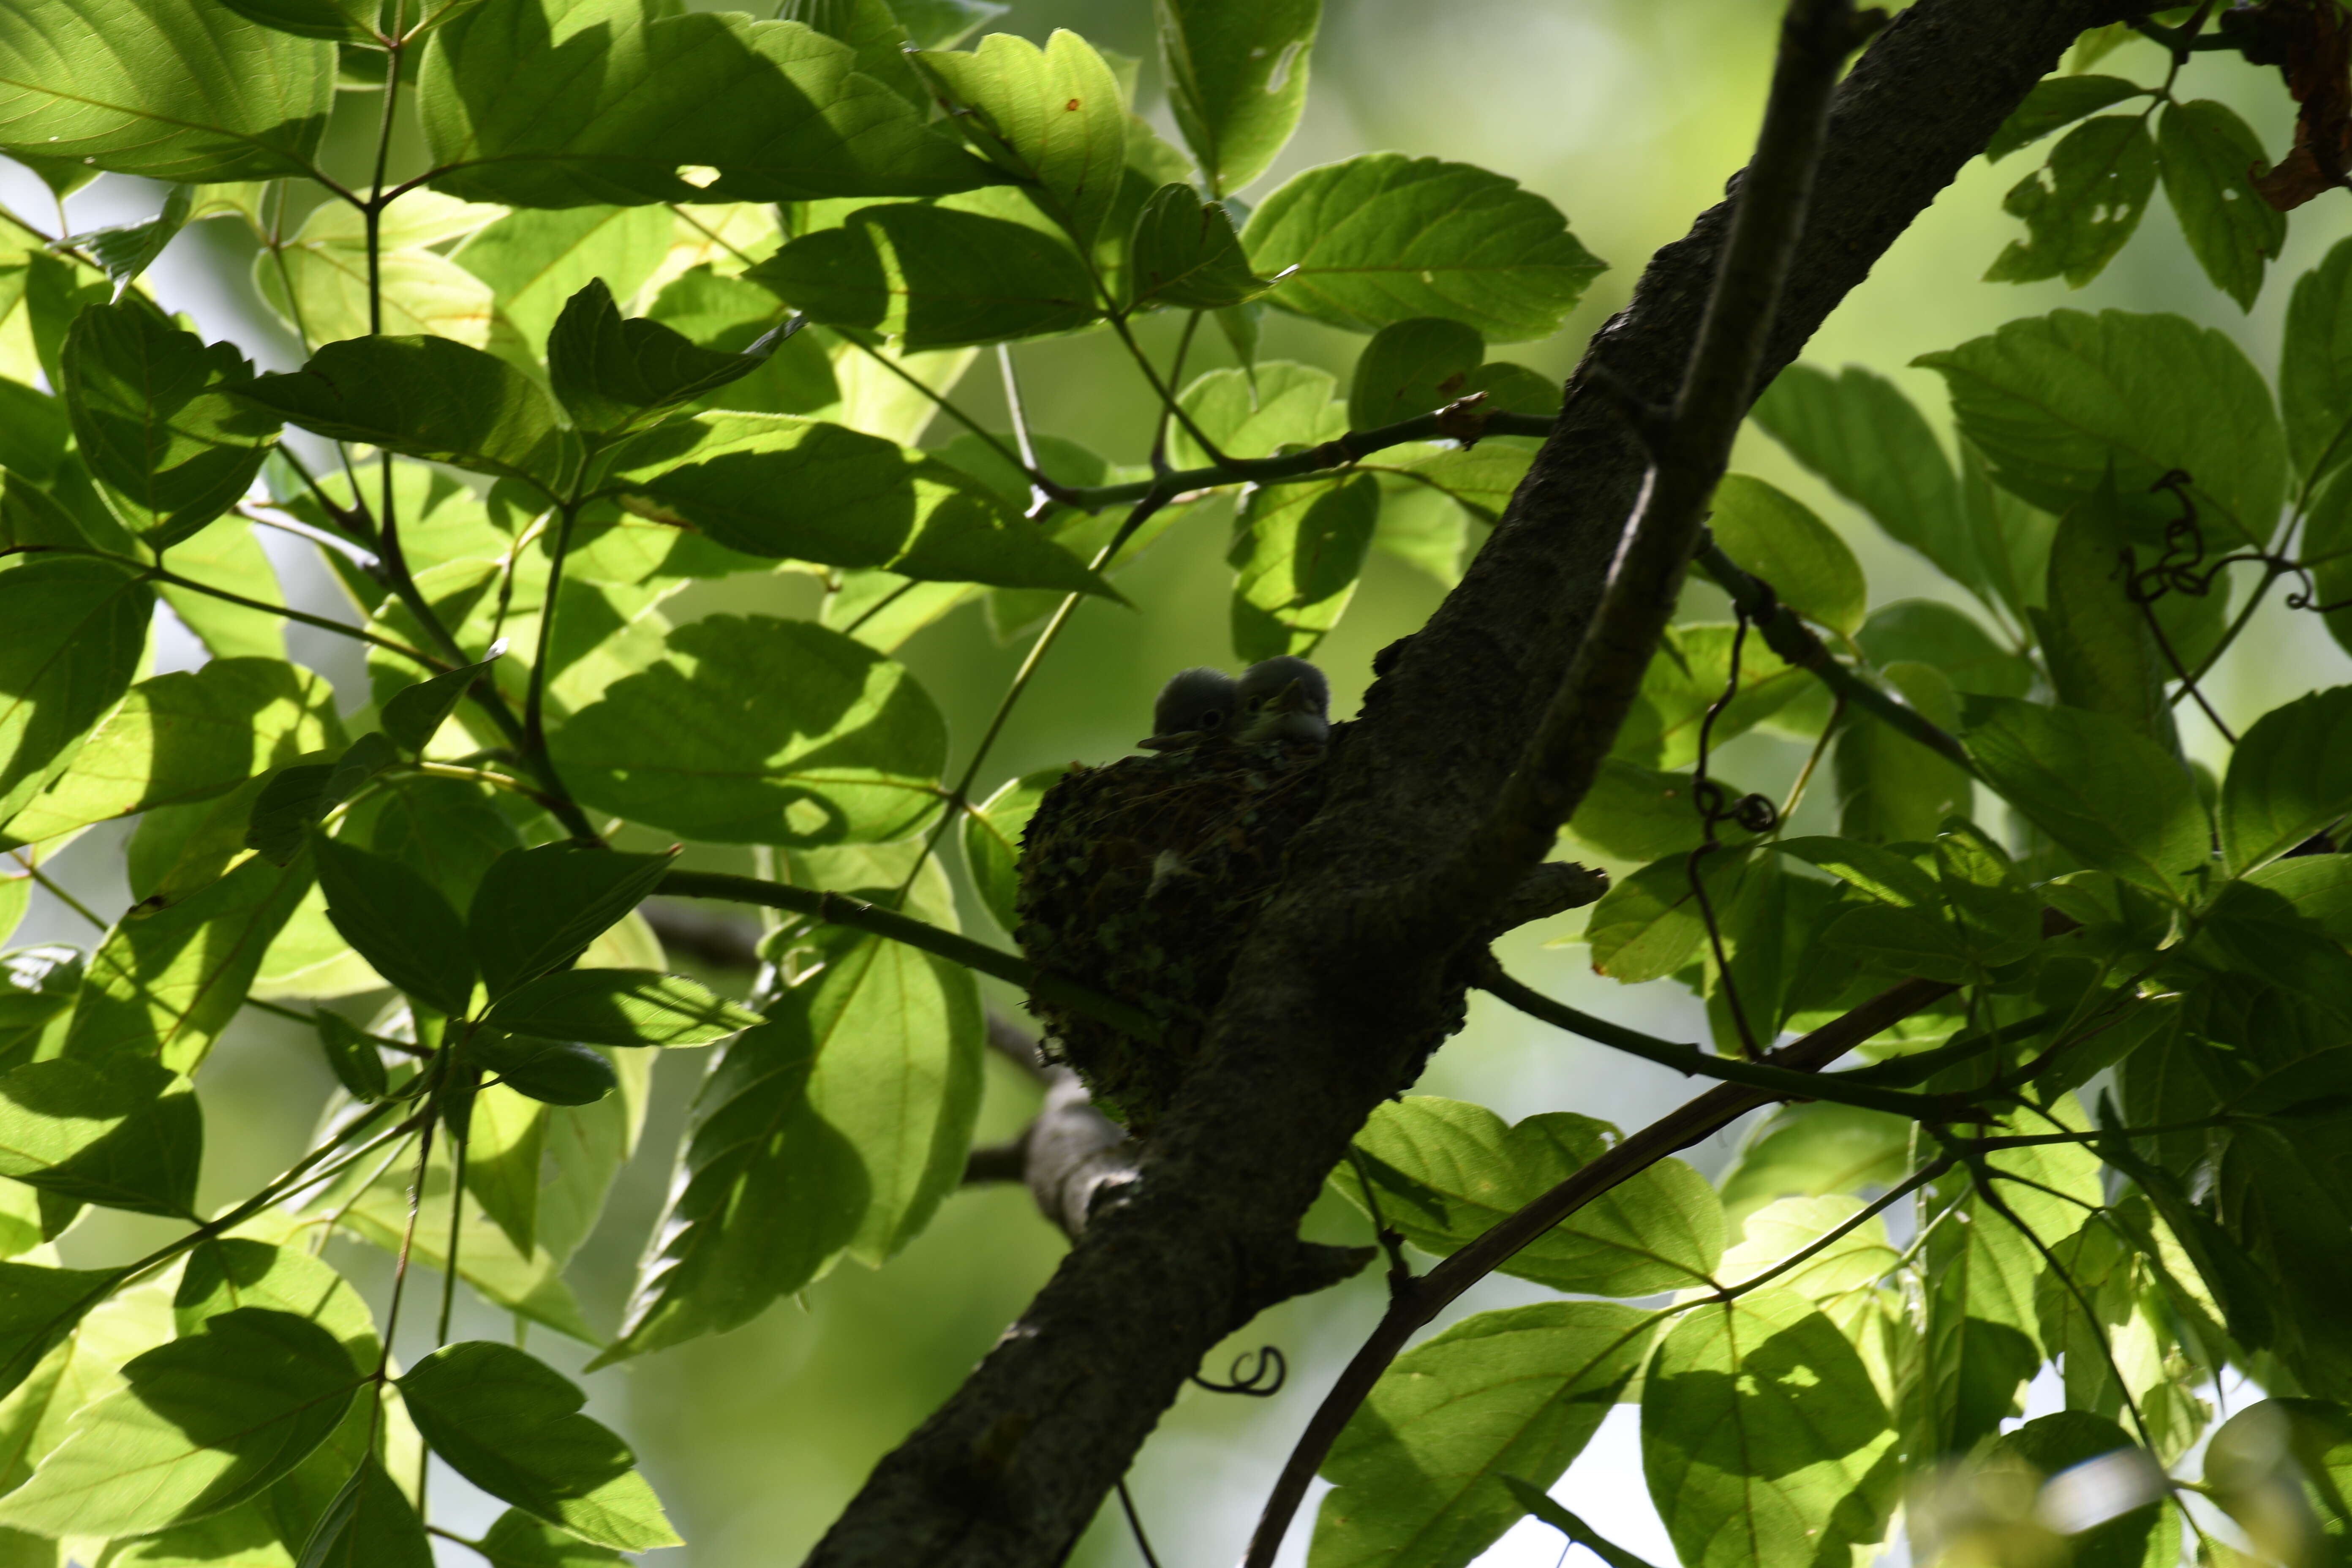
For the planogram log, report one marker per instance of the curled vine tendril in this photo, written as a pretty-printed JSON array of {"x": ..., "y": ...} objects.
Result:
[
  {"x": 1263, "y": 1380},
  {"x": 1754, "y": 813}
]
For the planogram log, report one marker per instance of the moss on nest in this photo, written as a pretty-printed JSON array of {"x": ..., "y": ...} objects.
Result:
[{"x": 1141, "y": 879}]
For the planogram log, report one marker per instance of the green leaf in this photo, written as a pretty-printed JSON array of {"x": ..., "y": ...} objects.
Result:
[
  {"x": 2081, "y": 206},
  {"x": 1783, "y": 1229},
  {"x": 537, "y": 105},
  {"x": 506, "y": 1151},
  {"x": 2315, "y": 368},
  {"x": 39, "y": 1306},
  {"x": 1890, "y": 787},
  {"x": 536, "y": 910},
  {"x": 992, "y": 842},
  {"x": 1869, "y": 442},
  {"x": 1257, "y": 413},
  {"x": 2056, "y": 101},
  {"x": 2095, "y": 637},
  {"x": 186, "y": 737},
  {"x": 1811, "y": 1149},
  {"x": 1764, "y": 1442},
  {"x": 1481, "y": 480},
  {"x": 1184, "y": 253},
  {"x": 1412, "y": 368},
  {"x": 2283, "y": 1452},
  {"x": 934, "y": 276},
  {"x": 2208, "y": 154},
  {"x": 166, "y": 982},
  {"x": 33, "y": 433},
  {"x": 322, "y": 286},
  {"x": 1905, "y": 942},
  {"x": 124, "y": 1133},
  {"x": 155, "y": 417},
  {"x": 222, "y": 1276},
  {"x": 1648, "y": 925},
  {"x": 2290, "y": 776},
  {"x": 415, "y": 713},
  {"x": 836, "y": 1126},
  {"x": 1051, "y": 117},
  {"x": 1296, "y": 552},
  {"x": 2105, "y": 792},
  {"x": 619, "y": 1008},
  {"x": 1419, "y": 1469},
  {"x": 1382, "y": 238},
  {"x": 1639, "y": 814},
  {"x": 757, "y": 730},
  {"x": 228, "y": 556},
  {"x": 183, "y": 90},
  {"x": 2053, "y": 400},
  {"x": 1925, "y": 631},
  {"x": 518, "y": 1541},
  {"x": 557, "y": 1072},
  {"x": 772, "y": 485},
  {"x": 399, "y": 922},
  {"x": 1689, "y": 675},
  {"x": 425, "y": 396},
  {"x": 511, "y": 1425},
  {"x": 1236, "y": 80},
  {"x": 446, "y": 830},
  {"x": 535, "y": 261},
  {"x": 1776, "y": 537},
  {"x": 1445, "y": 1172},
  {"x": 126, "y": 250},
  {"x": 203, "y": 1424},
  {"x": 615, "y": 375},
  {"x": 343, "y": 21},
  {"x": 353, "y": 1056},
  {"x": 370, "y": 1524}
]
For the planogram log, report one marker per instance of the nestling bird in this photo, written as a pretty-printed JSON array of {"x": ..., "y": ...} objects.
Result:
[
  {"x": 1284, "y": 699},
  {"x": 1195, "y": 705},
  {"x": 1141, "y": 879}
]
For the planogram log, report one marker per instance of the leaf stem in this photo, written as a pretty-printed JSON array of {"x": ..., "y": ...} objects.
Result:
[
  {"x": 842, "y": 910},
  {"x": 42, "y": 880}
]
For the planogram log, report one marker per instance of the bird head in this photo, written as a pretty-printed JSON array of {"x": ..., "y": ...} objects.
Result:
[
  {"x": 1284, "y": 699},
  {"x": 1196, "y": 705}
]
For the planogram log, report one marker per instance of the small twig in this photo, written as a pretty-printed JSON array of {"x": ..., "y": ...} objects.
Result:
[
  {"x": 42, "y": 880},
  {"x": 1392, "y": 1239},
  {"x": 1135, "y": 1523}
]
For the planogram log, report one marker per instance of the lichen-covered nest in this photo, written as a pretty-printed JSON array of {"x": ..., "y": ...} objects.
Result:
[{"x": 1142, "y": 880}]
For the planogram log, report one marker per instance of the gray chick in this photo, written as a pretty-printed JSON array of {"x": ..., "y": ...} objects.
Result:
[
  {"x": 1196, "y": 705},
  {"x": 1284, "y": 699}
]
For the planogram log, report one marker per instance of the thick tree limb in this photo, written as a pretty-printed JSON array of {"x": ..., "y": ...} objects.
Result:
[{"x": 1340, "y": 992}]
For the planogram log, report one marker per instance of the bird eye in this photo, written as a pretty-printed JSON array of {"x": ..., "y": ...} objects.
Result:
[{"x": 1215, "y": 719}]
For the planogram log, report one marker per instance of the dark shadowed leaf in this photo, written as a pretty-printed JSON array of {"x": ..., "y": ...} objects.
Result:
[
  {"x": 1925, "y": 631},
  {"x": 536, "y": 910},
  {"x": 1382, "y": 238},
  {"x": 370, "y": 1524},
  {"x": 352, "y": 1055},
  {"x": 2095, "y": 637},
  {"x": 564, "y": 107},
  {"x": 992, "y": 842},
  {"x": 752, "y": 730},
  {"x": 1411, "y": 368},
  {"x": 518, "y": 1541},
  {"x": 1186, "y": 254},
  {"x": 2316, "y": 367},
  {"x": 415, "y": 713},
  {"x": 185, "y": 90},
  {"x": 934, "y": 276},
  {"x": 620, "y": 1007},
  {"x": 2056, "y": 101},
  {"x": 1297, "y": 551},
  {"x": 557, "y": 1072},
  {"x": 38, "y": 1307},
  {"x": 2208, "y": 154},
  {"x": 511, "y": 1425},
  {"x": 428, "y": 397},
  {"x": 772, "y": 485},
  {"x": 2099, "y": 787},
  {"x": 399, "y": 922},
  {"x": 616, "y": 374},
  {"x": 2290, "y": 776},
  {"x": 2081, "y": 206}
]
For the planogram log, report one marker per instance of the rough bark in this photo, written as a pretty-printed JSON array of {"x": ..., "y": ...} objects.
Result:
[{"x": 1342, "y": 989}]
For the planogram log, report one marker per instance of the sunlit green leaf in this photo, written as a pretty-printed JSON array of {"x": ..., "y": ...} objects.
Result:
[
  {"x": 538, "y": 910},
  {"x": 153, "y": 415},
  {"x": 535, "y": 260},
  {"x": 38, "y": 1307},
  {"x": 1297, "y": 551},
  {"x": 204, "y": 1423},
  {"x": 1256, "y": 415},
  {"x": 1811, "y": 1150},
  {"x": 226, "y": 555},
  {"x": 1411, "y": 368},
  {"x": 1762, "y": 1437},
  {"x": 511, "y": 1425},
  {"x": 2096, "y": 786},
  {"x": 1236, "y": 80},
  {"x": 1443, "y": 1171},
  {"x": 992, "y": 841},
  {"x": 1186, "y": 253},
  {"x": 2208, "y": 156},
  {"x": 1053, "y": 117},
  {"x": 124, "y": 1134},
  {"x": 322, "y": 284},
  {"x": 185, "y": 90},
  {"x": 1520, "y": 1392},
  {"x": 615, "y": 374},
  {"x": 1772, "y": 534}
]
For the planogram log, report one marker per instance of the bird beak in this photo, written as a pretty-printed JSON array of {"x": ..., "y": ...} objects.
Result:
[
  {"x": 1168, "y": 742},
  {"x": 1291, "y": 699}
]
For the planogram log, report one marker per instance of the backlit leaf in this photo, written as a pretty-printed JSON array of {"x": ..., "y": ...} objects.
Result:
[
  {"x": 1236, "y": 80},
  {"x": 1053, "y": 117},
  {"x": 2082, "y": 205},
  {"x": 2206, "y": 155}
]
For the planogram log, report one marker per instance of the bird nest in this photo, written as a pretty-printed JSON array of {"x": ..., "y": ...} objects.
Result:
[{"x": 1142, "y": 880}]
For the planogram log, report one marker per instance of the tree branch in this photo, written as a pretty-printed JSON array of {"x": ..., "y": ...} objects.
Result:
[{"x": 1340, "y": 994}]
